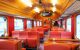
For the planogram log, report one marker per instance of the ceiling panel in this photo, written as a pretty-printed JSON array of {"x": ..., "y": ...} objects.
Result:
[
  {"x": 72, "y": 9},
  {"x": 17, "y": 8}
]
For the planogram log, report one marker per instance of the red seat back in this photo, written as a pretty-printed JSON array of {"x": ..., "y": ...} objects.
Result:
[
  {"x": 33, "y": 34},
  {"x": 41, "y": 32},
  {"x": 23, "y": 35},
  {"x": 61, "y": 29},
  {"x": 33, "y": 39},
  {"x": 40, "y": 29},
  {"x": 15, "y": 34},
  {"x": 55, "y": 34},
  {"x": 10, "y": 44},
  {"x": 67, "y": 35},
  {"x": 57, "y": 47}
]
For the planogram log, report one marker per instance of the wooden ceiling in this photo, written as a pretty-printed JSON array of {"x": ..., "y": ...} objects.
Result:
[{"x": 16, "y": 7}]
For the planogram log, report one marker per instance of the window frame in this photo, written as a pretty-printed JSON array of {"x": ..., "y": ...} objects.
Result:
[
  {"x": 68, "y": 23},
  {"x": 22, "y": 21},
  {"x": 35, "y": 23},
  {"x": 6, "y": 25},
  {"x": 76, "y": 27},
  {"x": 27, "y": 23},
  {"x": 63, "y": 23},
  {"x": 38, "y": 23}
]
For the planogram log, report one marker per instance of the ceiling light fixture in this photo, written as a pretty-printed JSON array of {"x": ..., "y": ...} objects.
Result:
[
  {"x": 54, "y": 9},
  {"x": 27, "y": 2},
  {"x": 54, "y": 2},
  {"x": 36, "y": 9}
]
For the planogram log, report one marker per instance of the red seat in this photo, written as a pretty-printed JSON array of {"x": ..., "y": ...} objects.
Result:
[
  {"x": 10, "y": 44},
  {"x": 55, "y": 46},
  {"x": 55, "y": 34},
  {"x": 46, "y": 28},
  {"x": 23, "y": 35},
  {"x": 41, "y": 32},
  {"x": 66, "y": 35},
  {"x": 28, "y": 29},
  {"x": 15, "y": 34},
  {"x": 54, "y": 29},
  {"x": 33, "y": 39},
  {"x": 61, "y": 29},
  {"x": 23, "y": 48}
]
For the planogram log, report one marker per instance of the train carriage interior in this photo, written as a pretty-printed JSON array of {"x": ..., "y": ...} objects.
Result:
[{"x": 39, "y": 24}]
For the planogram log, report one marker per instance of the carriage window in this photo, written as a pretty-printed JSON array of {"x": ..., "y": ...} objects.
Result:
[
  {"x": 29, "y": 24},
  {"x": 40, "y": 23},
  {"x": 59, "y": 22},
  {"x": 37, "y": 23},
  {"x": 3, "y": 26},
  {"x": 18, "y": 23},
  {"x": 34, "y": 23},
  {"x": 69, "y": 24},
  {"x": 64, "y": 24},
  {"x": 78, "y": 26}
]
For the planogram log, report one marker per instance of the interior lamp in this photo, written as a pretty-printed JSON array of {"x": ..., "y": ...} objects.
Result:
[
  {"x": 54, "y": 9},
  {"x": 54, "y": 2},
  {"x": 27, "y": 2},
  {"x": 36, "y": 9}
]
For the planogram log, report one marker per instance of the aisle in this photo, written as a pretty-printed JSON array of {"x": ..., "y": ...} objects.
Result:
[{"x": 46, "y": 36}]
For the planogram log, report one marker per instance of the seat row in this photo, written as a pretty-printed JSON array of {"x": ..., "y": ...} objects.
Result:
[
  {"x": 10, "y": 44},
  {"x": 57, "y": 32},
  {"x": 60, "y": 46},
  {"x": 62, "y": 34},
  {"x": 59, "y": 39},
  {"x": 30, "y": 37}
]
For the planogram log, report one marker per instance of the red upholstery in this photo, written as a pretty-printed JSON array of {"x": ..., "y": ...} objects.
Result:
[
  {"x": 10, "y": 44},
  {"x": 46, "y": 28},
  {"x": 15, "y": 34},
  {"x": 57, "y": 29},
  {"x": 61, "y": 29},
  {"x": 54, "y": 29},
  {"x": 41, "y": 32},
  {"x": 28, "y": 29},
  {"x": 61, "y": 34},
  {"x": 23, "y": 48},
  {"x": 21, "y": 35},
  {"x": 34, "y": 29},
  {"x": 33, "y": 39},
  {"x": 55, "y": 46},
  {"x": 55, "y": 34},
  {"x": 66, "y": 35},
  {"x": 74, "y": 46}
]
